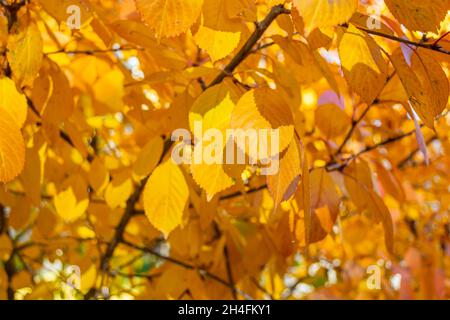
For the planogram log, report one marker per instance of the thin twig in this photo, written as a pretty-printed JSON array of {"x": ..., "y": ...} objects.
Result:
[
  {"x": 352, "y": 129},
  {"x": 93, "y": 51},
  {"x": 229, "y": 272},
  {"x": 430, "y": 46},
  {"x": 177, "y": 262}
]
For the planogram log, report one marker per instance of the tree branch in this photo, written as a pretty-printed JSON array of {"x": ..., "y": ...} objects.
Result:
[
  {"x": 94, "y": 51},
  {"x": 430, "y": 46},
  {"x": 261, "y": 27},
  {"x": 123, "y": 223},
  {"x": 435, "y": 46},
  {"x": 352, "y": 129},
  {"x": 229, "y": 272},
  {"x": 369, "y": 149},
  {"x": 11, "y": 10},
  {"x": 178, "y": 262}
]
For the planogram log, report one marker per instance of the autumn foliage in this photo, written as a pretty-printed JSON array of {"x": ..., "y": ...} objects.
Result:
[{"x": 93, "y": 205}]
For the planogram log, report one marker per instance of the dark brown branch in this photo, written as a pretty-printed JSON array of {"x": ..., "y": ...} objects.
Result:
[
  {"x": 430, "y": 46},
  {"x": 120, "y": 229},
  {"x": 352, "y": 129},
  {"x": 238, "y": 194},
  {"x": 229, "y": 272},
  {"x": 10, "y": 270},
  {"x": 356, "y": 122},
  {"x": 3, "y": 219},
  {"x": 11, "y": 10},
  {"x": 340, "y": 167},
  {"x": 385, "y": 142},
  {"x": 179, "y": 263},
  {"x": 118, "y": 235},
  {"x": 261, "y": 27}
]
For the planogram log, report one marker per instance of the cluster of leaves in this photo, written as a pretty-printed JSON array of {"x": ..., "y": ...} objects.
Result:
[{"x": 86, "y": 117}]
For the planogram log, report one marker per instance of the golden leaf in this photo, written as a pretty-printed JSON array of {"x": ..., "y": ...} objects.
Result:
[
  {"x": 12, "y": 149},
  {"x": 25, "y": 54},
  {"x": 165, "y": 197},
  {"x": 325, "y": 13},
  {"x": 169, "y": 18}
]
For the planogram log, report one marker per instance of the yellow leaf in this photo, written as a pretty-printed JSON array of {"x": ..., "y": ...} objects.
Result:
[
  {"x": 381, "y": 212},
  {"x": 149, "y": 157},
  {"x": 283, "y": 184},
  {"x": 109, "y": 89},
  {"x": 319, "y": 38},
  {"x": 88, "y": 278},
  {"x": 68, "y": 206},
  {"x": 363, "y": 64},
  {"x": 25, "y": 54},
  {"x": 221, "y": 96},
  {"x": 119, "y": 190},
  {"x": 140, "y": 34},
  {"x": 434, "y": 82},
  {"x": 319, "y": 209},
  {"x": 210, "y": 175},
  {"x": 12, "y": 101},
  {"x": 59, "y": 9},
  {"x": 286, "y": 80},
  {"x": 332, "y": 120},
  {"x": 244, "y": 9},
  {"x": 165, "y": 196},
  {"x": 419, "y": 15},
  {"x": 325, "y": 13},
  {"x": 425, "y": 83},
  {"x": 215, "y": 15},
  {"x": 12, "y": 149},
  {"x": 358, "y": 180},
  {"x": 169, "y": 18},
  {"x": 302, "y": 61},
  {"x": 218, "y": 44},
  {"x": 98, "y": 175},
  {"x": 306, "y": 197},
  {"x": 325, "y": 202},
  {"x": 60, "y": 94},
  {"x": 46, "y": 221},
  {"x": 218, "y": 117},
  {"x": 261, "y": 109},
  {"x": 390, "y": 182},
  {"x": 20, "y": 214}
]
